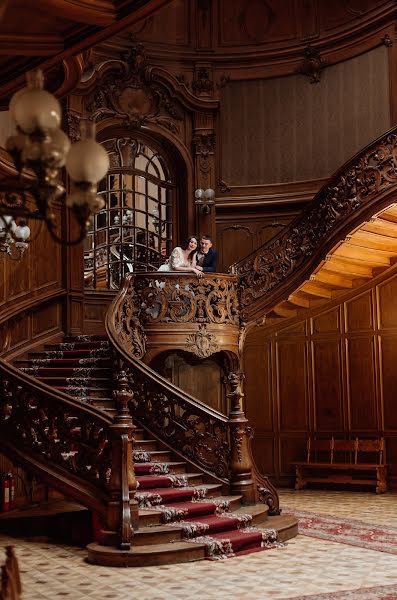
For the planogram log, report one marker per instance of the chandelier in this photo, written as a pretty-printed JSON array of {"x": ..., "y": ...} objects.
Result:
[{"x": 40, "y": 149}]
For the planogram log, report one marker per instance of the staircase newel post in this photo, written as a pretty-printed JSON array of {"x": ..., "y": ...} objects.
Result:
[
  {"x": 122, "y": 515},
  {"x": 241, "y": 479}
]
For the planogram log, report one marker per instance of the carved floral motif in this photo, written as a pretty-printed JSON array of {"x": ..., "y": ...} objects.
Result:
[
  {"x": 127, "y": 324},
  {"x": 62, "y": 433},
  {"x": 203, "y": 343},
  {"x": 186, "y": 426},
  {"x": 185, "y": 299},
  {"x": 132, "y": 93}
]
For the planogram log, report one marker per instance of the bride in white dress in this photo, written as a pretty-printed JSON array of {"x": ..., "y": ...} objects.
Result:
[{"x": 184, "y": 259}]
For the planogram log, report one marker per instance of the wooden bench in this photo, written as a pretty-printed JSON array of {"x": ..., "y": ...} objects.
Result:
[{"x": 357, "y": 462}]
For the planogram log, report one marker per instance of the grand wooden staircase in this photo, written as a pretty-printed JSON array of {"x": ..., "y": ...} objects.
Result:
[
  {"x": 71, "y": 415},
  {"x": 184, "y": 513}
]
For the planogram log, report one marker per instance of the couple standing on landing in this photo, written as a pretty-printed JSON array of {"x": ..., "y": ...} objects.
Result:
[{"x": 187, "y": 258}]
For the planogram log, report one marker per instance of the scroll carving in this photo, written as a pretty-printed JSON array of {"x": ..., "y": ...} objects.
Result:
[
  {"x": 203, "y": 343},
  {"x": 186, "y": 426},
  {"x": 133, "y": 94},
  {"x": 64, "y": 434},
  {"x": 374, "y": 172},
  {"x": 127, "y": 324},
  {"x": 184, "y": 299}
]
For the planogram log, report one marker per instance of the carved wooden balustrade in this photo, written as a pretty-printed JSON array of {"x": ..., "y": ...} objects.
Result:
[
  {"x": 217, "y": 444},
  {"x": 203, "y": 314},
  {"x": 362, "y": 186},
  {"x": 74, "y": 447}
]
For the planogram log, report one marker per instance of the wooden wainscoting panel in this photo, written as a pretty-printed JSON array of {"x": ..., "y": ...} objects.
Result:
[
  {"x": 19, "y": 277},
  {"x": 263, "y": 450},
  {"x": 386, "y": 303},
  {"x": 96, "y": 305},
  {"x": 45, "y": 319},
  {"x": 358, "y": 313},
  {"x": 255, "y": 21},
  {"x": 47, "y": 260},
  {"x": 173, "y": 18},
  {"x": 388, "y": 379},
  {"x": 361, "y": 384},
  {"x": 293, "y": 330},
  {"x": 20, "y": 330},
  {"x": 292, "y": 388},
  {"x": 234, "y": 242},
  {"x": 203, "y": 380},
  {"x": 337, "y": 13},
  {"x": 326, "y": 322},
  {"x": 290, "y": 449},
  {"x": 326, "y": 380},
  {"x": 258, "y": 385}
]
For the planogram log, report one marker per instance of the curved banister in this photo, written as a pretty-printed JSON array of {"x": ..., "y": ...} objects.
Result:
[
  {"x": 190, "y": 426},
  {"x": 210, "y": 440},
  {"x": 355, "y": 192},
  {"x": 65, "y": 441}
]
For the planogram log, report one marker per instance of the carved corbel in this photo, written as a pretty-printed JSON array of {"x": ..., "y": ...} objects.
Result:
[{"x": 312, "y": 64}]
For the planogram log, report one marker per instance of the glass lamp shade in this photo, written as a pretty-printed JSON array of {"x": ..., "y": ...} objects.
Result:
[
  {"x": 87, "y": 161},
  {"x": 22, "y": 232},
  {"x": 7, "y": 222},
  {"x": 209, "y": 194},
  {"x": 35, "y": 109},
  {"x": 199, "y": 194}
]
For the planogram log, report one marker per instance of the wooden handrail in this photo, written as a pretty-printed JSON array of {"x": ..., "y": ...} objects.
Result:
[{"x": 362, "y": 186}]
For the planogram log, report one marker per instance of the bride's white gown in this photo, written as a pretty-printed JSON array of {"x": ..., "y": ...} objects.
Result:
[{"x": 176, "y": 259}]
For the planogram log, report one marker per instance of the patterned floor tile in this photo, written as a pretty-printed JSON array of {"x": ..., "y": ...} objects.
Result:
[{"x": 304, "y": 567}]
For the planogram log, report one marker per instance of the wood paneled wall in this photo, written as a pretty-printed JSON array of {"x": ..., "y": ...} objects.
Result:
[
  {"x": 291, "y": 130},
  {"x": 332, "y": 373}
]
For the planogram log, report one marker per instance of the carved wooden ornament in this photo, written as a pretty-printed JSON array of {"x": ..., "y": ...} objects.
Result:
[{"x": 202, "y": 343}]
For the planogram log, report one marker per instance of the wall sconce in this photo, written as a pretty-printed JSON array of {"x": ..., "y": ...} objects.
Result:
[
  {"x": 204, "y": 200},
  {"x": 43, "y": 148},
  {"x": 13, "y": 237}
]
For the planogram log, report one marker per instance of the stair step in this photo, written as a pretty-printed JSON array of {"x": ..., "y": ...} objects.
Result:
[
  {"x": 149, "y": 555},
  {"x": 145, "y": 445}
]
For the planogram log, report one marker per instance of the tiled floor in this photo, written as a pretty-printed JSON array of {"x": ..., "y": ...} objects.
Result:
[{"x": 305, "y": 566}]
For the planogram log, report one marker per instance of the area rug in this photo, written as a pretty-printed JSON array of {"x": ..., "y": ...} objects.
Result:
[
  {"x": 383, "y": 592},
  {"x": 347, "y": 531}
]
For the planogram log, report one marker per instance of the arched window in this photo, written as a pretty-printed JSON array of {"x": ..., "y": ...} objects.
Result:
[{"x": 133, "y": 232}]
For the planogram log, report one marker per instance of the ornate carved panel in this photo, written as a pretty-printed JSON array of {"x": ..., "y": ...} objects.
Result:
[{"x": 131, "y": 94}]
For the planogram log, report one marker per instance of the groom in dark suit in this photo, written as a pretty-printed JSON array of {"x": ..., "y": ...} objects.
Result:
[{"x": 207, "y": 255}]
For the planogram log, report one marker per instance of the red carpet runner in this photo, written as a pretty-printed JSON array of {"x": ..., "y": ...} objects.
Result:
[{"x": 81, "y": 367}]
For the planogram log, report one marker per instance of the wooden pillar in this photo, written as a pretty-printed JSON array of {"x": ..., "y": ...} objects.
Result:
[
  {"x": 122, "y": 513},
  {"x": 242, "y": 481}
]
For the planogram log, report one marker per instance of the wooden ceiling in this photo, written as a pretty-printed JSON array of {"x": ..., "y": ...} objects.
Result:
[
  {"x": 50, "y": 33},
  {"x": 365, "y": 253}
]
